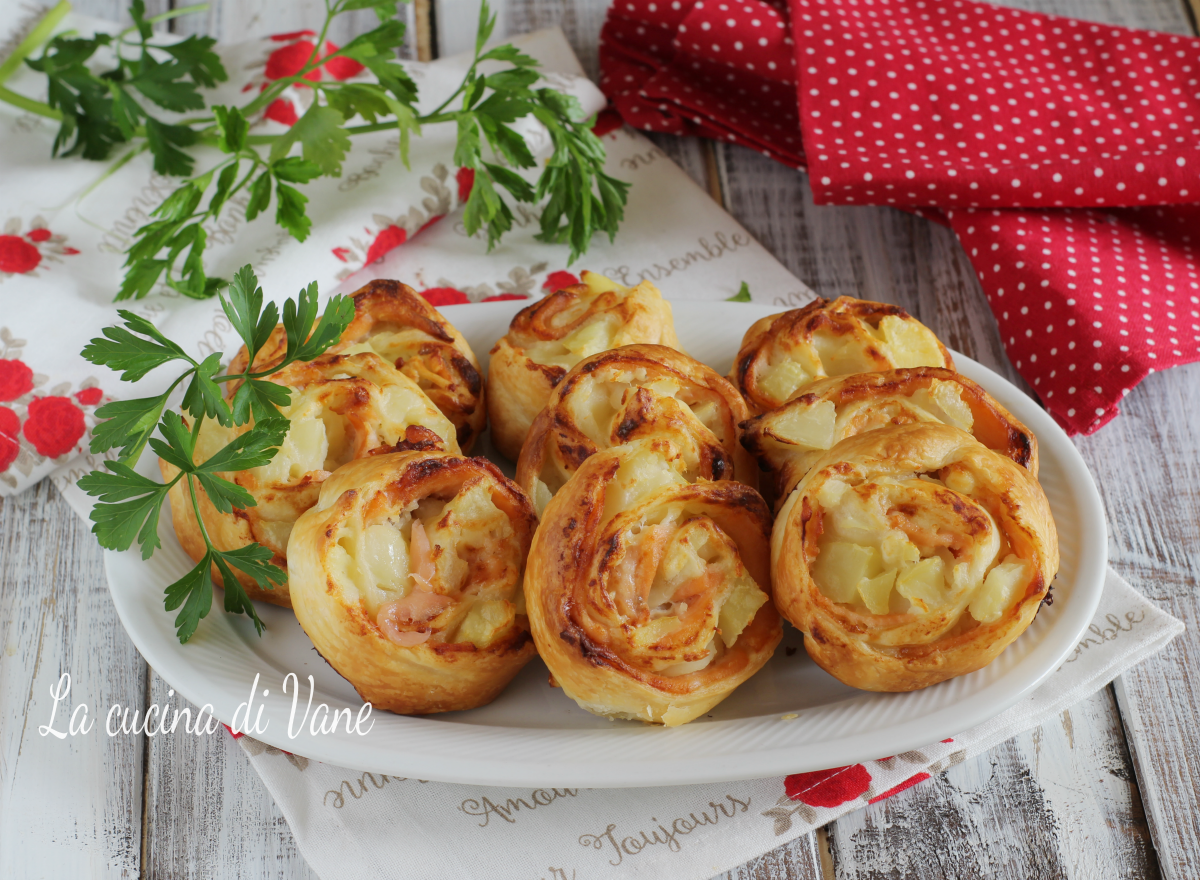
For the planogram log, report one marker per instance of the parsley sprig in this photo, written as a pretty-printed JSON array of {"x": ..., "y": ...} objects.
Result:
[
  {"x": 120, "y": 109},
  {"x": 129, "y": 504}
]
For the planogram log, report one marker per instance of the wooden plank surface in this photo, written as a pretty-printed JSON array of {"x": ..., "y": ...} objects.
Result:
[
  {"x": 68, "y": 807},
  {"x": 1059, "y": 801}
]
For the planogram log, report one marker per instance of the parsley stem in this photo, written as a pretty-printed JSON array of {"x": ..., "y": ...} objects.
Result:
[
  {"x": 194, "y": 9},
  {"x": 11, "y": 97},
  {"x": 39, "y": 35}
]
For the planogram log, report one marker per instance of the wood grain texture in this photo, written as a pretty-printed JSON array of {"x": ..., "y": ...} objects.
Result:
[
  {"x": 68, "y": 807},
  {"x": 1067, "y": 786},
  {"x": 209, "y": 813},
  {"x": 1152, "y": 501}
]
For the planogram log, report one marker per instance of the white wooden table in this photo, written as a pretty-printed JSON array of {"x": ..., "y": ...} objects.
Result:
[{"x": 1108, "y": 790}]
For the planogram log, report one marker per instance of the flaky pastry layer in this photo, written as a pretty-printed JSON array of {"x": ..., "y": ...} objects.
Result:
[
  {"x": 649, "y": 596},
  {"x": 549, "y": 337},
  {"x": 786, "y": 441},
  {"x": 632, "y": 393},
  {"x": 782, "y": 354},
  {"x": 912, "y": 554}
]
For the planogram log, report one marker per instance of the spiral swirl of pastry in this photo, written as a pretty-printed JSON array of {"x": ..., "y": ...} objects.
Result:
[
  {"x": 912, "y": 554},
  {"x": 554, "y": 334},
  {"x": 782, "y": 354},
  {"x": 394, "y": 321},
  {"x": 787, "y": 440},
  {"x": 630, "y": 393},
  {"x": 342, "y": 407},
  {"x": 649, "y": 595},
  {"x": 407, "y": 575}
]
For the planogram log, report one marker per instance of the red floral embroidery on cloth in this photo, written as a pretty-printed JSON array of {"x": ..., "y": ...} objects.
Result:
[
  {"x": 1063, "y": 153},
  {"x": 288, "y": 60},
  {"x": 17, "y": 256},
  {"x": 36, "y": 426},
  {"x": 445, "y": 296},
  {"x": 54, "y": 425},
  {"x": 10, "y": 437},
  {"x": 828, "y": 788},
  {"x": 906, "y": 784},
  {"x": 556, "y": 281},
  {"x": 22, "y": 254},
  {"x": 389, "y": 238},
  {"x": 281, "y": 110},
  {"x": 15, "y": 379},
  {"x": 465, "y": 177}
]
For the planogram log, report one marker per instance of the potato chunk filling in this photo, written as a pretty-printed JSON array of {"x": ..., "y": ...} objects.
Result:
[
  {"x": 914, "y": 546},
  {"x": 441, "y": 569},
  {"x": 682, "y": 593}
]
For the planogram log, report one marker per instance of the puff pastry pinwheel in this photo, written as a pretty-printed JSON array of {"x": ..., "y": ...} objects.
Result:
[
  {"x": 394, "y": 321},
  {"x": 912, "y": 554},
  {"x": 630, "y": 393},
  {"x": 787, "y": 440},
  {"x": 342, "y": 407},
  {"x": 406, "y": 575},
  {"x": 554, "y": 334},
  {"x": 649, "y": 596},
  {"x": 781, "y": 354}
]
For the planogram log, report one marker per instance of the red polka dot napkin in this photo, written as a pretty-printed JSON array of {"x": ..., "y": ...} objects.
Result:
[{"x": 1064, "y": 154}]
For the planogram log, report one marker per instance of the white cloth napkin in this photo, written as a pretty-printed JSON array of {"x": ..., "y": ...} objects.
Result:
[{"x": 353, "y": 824}]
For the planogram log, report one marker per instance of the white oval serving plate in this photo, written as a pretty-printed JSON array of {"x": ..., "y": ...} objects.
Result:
[{"x": 790, "y": 717}]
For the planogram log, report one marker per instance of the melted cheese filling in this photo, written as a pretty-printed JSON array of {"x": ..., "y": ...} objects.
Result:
[
  {"x": 599, "y": 332},
  {"x": 914, "y": 546},
  {"x": 600, "y": 412},
  {"x": 903, "y": 341},
  {"x": 470, "y": 556}
]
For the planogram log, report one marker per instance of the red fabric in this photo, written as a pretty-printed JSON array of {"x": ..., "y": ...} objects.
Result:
[{"x": 1064, "y": 154}]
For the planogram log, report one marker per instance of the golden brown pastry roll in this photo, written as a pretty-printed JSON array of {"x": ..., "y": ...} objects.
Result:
[
  {"x": 394, "y": 321},
  {"x": 787, "y": 440},
  {"x": 912, "y": 554},
  {"x": 649, "y": 596},
  {"x": 554, "y": 334},
  {"x": 631, "y": 393},
  {"x": 343, "y": 407},
  {"x": 406, "y": 575},
  {"x": 782, "y": 354}
]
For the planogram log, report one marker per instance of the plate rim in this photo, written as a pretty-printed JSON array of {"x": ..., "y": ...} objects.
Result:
[{"x": 653, "y": 769}]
